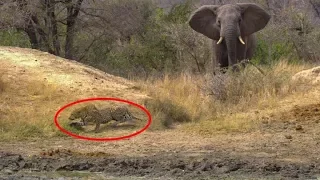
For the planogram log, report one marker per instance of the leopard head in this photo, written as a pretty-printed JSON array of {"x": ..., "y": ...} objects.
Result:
[{"x": 76, "y": 114}]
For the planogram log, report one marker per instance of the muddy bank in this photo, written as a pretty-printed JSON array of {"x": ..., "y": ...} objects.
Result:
[{"x": 170, "y": 166}]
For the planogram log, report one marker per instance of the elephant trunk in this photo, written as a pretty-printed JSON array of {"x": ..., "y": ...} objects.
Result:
[{"x": 231, "y": 39}]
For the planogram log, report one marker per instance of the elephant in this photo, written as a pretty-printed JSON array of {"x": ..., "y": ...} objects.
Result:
[{"x": 232, "y": 28}]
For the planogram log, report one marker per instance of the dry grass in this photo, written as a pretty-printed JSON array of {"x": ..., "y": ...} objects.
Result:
[
  {"x": 30, "y": 112},
  {"x": 32, "y": 91},
  {"x": 237, "y": 92},
  {"x": 29, "y": 109},
  {"x": 24, "y": 112},
  {"x": 2, "y": 85},
  {"x": 176, "y": 99},
  {"x": 226, "y": 102},
  {"x": 38, "y": 84}
]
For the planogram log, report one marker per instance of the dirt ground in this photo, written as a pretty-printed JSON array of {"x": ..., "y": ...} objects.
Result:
[
  {"x": 285, "y": 146},
  {"x": 287, "y": 149}
]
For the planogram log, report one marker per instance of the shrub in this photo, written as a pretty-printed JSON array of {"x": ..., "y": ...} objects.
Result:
[
  {"x": 165, "y": 112},
  {"x": 177, "y": 99},
  {"x": 166, "y": 45},
  {"x": 249, "y": 86},
  {"x": 12, "y": 37}
]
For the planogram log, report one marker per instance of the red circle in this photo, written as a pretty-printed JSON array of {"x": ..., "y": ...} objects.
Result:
[{"x": 102, "y": 139}]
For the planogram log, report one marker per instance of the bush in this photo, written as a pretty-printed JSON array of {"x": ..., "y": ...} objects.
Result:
[
  {"x": 148, "y": 53},
  {"x": 116, "y": 43},
  {"x": 165, "y": 113},
  {"x": 166, "y": 44},
  {"x": 249, "y": 86},
  {"x": 177, "y": 99},
  {"x": 292, "y": 35},
  {"x": 12, "y": 37},
  {"x": 268, "y": 52}
]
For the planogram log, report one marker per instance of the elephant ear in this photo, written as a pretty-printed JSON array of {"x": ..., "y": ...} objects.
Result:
[
  {"x": 203, "y": 21},
  {"x": 254, "y": 18}
]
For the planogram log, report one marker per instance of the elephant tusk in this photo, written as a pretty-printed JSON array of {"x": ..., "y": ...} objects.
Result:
[
  {"x": 220, "y": 40},
  {"x": 241, "y": 40}
]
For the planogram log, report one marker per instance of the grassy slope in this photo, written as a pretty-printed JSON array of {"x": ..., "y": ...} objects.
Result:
[{"x": 36, "y": 84}]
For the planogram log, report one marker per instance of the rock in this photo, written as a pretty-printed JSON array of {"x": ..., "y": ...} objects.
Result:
[
  {"x": 299, "y": 128},
  {"x": 288, "y": 136},
  {"x": 8, "y": 171},
  {"x": 310, "y": 75}
]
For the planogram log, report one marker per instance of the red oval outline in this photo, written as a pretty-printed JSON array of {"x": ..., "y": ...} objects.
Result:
[{"x": 102, "y": 139}]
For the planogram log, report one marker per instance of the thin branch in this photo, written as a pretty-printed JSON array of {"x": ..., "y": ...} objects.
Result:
[
  {"x": 317, "y": 10},
  {"x": 90, "y": 45}
]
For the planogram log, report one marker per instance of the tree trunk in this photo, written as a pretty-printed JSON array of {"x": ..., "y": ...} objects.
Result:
[
  {"x": 72, "y": 14},
  {"x": 32, "y": 35},
  {"x": 28, "y": 28},
  {"x": 316, "y": 6},
  {"x": 52, "y": 26},
  {"x": 43, "y": 38},
  {"x": 70, "y": 34}
]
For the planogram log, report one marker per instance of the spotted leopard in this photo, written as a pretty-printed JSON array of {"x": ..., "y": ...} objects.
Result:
[{"x": 91, "y": 114}]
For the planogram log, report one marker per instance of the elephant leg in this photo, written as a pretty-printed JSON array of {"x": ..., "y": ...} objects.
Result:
[
  {"x": 224, "y": 61},
  {"x": 242, "y": 54},
  {"x": 221, "y": 55},
  {"x": 252, "y": 44},
  {"x": 250, "y": 48}
]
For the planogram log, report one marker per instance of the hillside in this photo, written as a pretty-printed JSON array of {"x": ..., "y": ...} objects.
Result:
[
  {"x": 34, "y": 85},
  {"x": 25, "y": 66},
  {"x": 37, "y": 84}
]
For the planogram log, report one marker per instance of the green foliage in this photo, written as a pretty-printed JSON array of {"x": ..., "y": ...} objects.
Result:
[
  {"x": 154, "y": 50},
  {"x": 180, "y": 13},
  {"x": 12, "y": 37},
  {"x": 148, "y": 40},
  {"x": 148, "y": 53},
  {"x": 267, "y": 54},
  {"x": 96, "y": 54}
]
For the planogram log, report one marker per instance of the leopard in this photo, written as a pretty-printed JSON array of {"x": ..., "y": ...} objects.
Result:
[{"x": 90, "y": 114}]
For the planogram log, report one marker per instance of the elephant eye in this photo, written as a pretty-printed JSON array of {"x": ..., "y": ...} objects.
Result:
[{"x": 219, "y": 23}]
